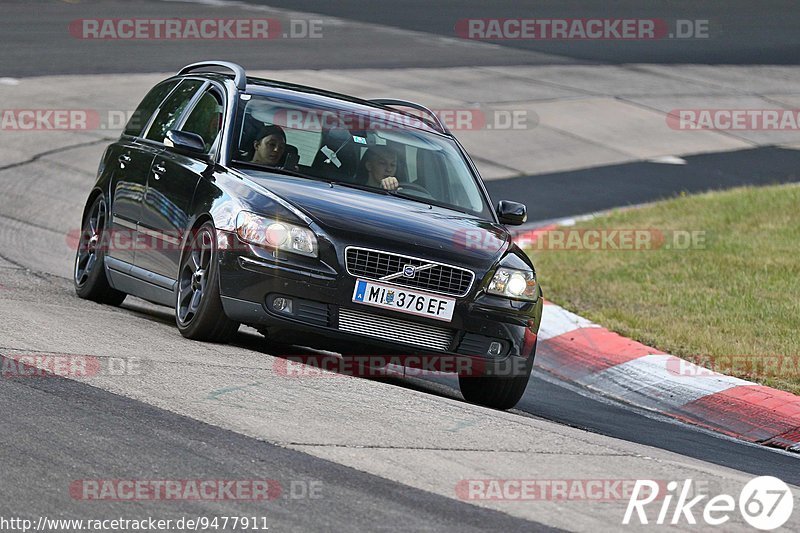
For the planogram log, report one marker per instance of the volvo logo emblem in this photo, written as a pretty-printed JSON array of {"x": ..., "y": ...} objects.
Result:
[{"x": 409, "y": 271}]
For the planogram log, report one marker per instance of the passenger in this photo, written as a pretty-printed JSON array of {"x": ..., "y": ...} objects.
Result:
[
  {"x": 380, "y": 163},
  {"x": 270, "y": 145}
]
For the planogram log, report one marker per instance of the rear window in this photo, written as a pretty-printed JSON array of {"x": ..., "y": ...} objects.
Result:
[{"x": 142, "y": 115}]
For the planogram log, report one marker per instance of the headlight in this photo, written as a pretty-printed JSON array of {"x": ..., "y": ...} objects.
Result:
[
  {"x": 279, "y": 235},
  {"x": 516, "y": 284}
]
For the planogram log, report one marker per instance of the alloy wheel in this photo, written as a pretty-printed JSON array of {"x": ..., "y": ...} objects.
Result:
[{"x": 193, "y": 280}]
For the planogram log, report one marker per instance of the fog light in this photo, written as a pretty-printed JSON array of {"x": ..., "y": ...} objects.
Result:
[
  {"x": 282, "y": 305},
  {"x": 495, "y": 349}
]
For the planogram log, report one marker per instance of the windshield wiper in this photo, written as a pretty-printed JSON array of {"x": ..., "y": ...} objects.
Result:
[
  {"x": 395, "y": 193},
  {"x": 427, "y": 201}
]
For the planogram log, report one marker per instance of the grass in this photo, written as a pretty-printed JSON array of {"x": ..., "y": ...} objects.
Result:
[{"x": 732, "y": 298}]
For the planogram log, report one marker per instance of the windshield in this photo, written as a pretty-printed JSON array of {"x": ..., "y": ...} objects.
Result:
[{"x": 378, "y": 151}]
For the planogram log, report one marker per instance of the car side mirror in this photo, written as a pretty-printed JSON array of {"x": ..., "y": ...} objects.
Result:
[
  {"x": 185, "y": 142},
  {"x": 512, "y": 213}
]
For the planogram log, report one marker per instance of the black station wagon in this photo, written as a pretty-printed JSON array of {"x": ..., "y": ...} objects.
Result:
[{"x": 332, "y": 221}]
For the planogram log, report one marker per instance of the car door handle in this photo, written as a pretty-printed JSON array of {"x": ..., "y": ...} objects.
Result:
[
  {"x": 158, "y": 169},
  {"x": 124, "y": 158}
]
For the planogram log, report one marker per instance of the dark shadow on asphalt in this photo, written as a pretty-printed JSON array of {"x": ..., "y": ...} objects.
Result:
[
  {"x": 256, "y": 342},
  {"x": 564, "y": 194},
  {"x": 148, "y": 311}
]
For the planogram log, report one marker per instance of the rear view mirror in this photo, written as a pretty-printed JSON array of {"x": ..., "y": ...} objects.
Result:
[
  {"x": 511, "y": 213},
  {"x": 185, "y": 142}
]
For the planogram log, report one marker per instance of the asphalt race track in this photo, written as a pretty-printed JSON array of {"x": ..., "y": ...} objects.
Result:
[{"x": 384, "y": 454}]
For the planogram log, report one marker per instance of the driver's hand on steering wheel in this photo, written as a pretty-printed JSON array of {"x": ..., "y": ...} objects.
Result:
[{"x": 390, "y": 183}]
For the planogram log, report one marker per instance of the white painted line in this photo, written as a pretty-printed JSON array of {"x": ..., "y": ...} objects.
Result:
[
  {"x": 659, "y": 382},
  {"x": 667, "y": 160},
  {"x": 557, "y": 321},
  {"x": 9, "y": 81}
]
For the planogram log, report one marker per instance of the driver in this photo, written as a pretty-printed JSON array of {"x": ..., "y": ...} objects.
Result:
[{"x": 381, "y": 165}]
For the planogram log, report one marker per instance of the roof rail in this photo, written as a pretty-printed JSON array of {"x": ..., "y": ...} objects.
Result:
[
  {"x": 405, "y": 103},
  {"x": 239, "y": 76}
]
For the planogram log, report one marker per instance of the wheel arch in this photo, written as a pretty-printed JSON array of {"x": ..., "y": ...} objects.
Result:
[
  {"x": 198, "y": 221},
  {"x": 95, "y": 192}
]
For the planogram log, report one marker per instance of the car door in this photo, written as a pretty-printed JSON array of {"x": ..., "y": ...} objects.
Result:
[
  {"x": 171, "y": 184},
  {"x": 132, "y": 160}
]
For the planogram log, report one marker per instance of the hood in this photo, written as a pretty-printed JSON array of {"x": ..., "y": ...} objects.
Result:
[{"x": 390, "y": 223}]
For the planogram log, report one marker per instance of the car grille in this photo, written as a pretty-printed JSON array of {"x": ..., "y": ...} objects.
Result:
[
  {"x": 395, "y": 330},
  {"x": 435, "y": 277}
]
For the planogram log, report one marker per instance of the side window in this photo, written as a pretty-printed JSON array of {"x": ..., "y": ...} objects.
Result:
[
  {"x": 171, "y": 110},
  {"x": 142, "y": 115},
  {"x": 206, "y": 118},
  {"x": 301, "y": 132},
  {"x": 460, "y": 195}
]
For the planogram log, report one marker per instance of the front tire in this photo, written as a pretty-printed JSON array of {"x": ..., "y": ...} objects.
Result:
[
  {"x": 198, "y": 307},
  {"x": 497, "y": 392},
  {"x": 89, "y": 274}
]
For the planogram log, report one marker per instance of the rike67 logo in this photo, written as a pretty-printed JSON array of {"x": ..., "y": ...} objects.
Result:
[{"x": 765, "y": 503}]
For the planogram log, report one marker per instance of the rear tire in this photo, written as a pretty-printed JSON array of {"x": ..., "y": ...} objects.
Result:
[
  {"x": 89, "y": 274},
  {"x": 198, "y": 307},
  {"x": 497, "y": 392}
]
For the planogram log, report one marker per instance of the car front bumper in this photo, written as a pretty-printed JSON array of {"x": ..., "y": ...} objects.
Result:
[{"x": 323, "y": 312}]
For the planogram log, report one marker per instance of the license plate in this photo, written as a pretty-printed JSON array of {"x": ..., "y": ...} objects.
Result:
[{"x": 404, "y": 300}]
